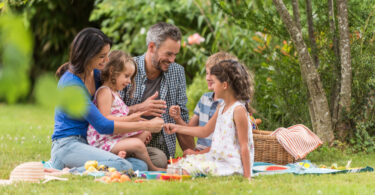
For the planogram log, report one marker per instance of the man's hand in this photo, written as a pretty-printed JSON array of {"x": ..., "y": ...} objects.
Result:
[{"x": 153, "y": 107}]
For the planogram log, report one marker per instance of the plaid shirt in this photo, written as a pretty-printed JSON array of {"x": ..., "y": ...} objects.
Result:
[{"x": 172, "y": 90}]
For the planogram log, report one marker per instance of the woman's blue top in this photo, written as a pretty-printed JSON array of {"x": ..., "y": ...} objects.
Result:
[{"x": 66, "y": 125}]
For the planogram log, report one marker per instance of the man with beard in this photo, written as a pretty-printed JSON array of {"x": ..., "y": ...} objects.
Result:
[{"x": 160, "y": 84}]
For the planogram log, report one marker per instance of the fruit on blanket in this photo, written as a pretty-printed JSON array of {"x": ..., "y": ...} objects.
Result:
[
  {"x": 115, "y": 180},
  {"x": 91, "y": 169},
  {"x": 124, "y": 178},
  {"x": 103, "y": 168},
  {"x": 112, "y": 169},
  {"x": 91, "y": 163},
  {"x": 115, "y": 175},
  {"x": 130, "y": 173},
  {"x": 106, "y": 179}
]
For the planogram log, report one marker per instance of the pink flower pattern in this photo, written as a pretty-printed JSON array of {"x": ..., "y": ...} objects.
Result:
[{"x": 106, "y": 142}]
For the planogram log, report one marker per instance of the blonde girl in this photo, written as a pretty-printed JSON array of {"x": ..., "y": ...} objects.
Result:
[{"x": 118, "y": 73}]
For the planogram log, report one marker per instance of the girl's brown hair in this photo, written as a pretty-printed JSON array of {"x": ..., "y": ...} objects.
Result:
[
  {"x": 239, "y": 78},
  {"x": 116, "y": 64}
]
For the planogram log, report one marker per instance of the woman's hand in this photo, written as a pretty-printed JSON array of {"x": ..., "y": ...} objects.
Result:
[
  {"x": 175, "y": 112},
  {"x": 135, "y": 117},
  {"x": 154, "y": 125}
]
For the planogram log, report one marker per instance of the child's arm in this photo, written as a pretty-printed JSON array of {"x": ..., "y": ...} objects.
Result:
[
  {"x": 241, "y": 123},
  {"x": 193, "y": 131},
  {"x": 104, "y": 101},
  {"x": 175, "y": 113},
  {"x": 185, "y": 141}
]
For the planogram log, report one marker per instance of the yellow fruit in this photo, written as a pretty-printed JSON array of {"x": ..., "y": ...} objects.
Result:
[
  {"x": 111, "y": 169},
  {"x": 91, "y": 169},
  {"x": 91, "y": 163}
]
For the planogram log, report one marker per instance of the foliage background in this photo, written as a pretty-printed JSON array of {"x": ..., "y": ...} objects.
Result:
[{"x": 254, "y": 33}]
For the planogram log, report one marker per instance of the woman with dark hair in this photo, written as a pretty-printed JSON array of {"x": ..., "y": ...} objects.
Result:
[{"x": 88, "y": 53}]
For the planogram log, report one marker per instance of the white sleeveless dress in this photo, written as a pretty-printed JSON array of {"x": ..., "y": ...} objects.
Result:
[{"x": 224, "y": 156}]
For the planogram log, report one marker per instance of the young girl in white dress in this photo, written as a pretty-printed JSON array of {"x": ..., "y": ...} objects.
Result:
[
  {"x": 117, "y": 74},
  {"x": 232, "y": 150}
]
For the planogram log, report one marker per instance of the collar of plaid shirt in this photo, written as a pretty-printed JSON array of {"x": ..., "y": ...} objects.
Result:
[{"x": 172, "y": 90}]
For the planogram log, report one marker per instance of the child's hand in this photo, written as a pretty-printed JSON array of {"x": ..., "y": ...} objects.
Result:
[
  {"x": 154, "y": 125},
  {"x": 148, "y": 137},
  {"x": 175, "y": 112},
  {"x": 170, "y": 128}
]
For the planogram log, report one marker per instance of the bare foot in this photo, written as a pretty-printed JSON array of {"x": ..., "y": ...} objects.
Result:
[{"x": 122, "y": 154}]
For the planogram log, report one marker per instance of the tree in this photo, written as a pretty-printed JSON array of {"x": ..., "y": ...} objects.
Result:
[
  {"x": 322, "y": 123},
  {"x": 325, "y": 119},
  {"x": 343, "y": 125}
]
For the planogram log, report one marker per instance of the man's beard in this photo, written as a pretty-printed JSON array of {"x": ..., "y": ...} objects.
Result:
[{"x": 156, "y": 63}]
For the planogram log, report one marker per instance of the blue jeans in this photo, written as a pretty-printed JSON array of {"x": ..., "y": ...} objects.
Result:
[{"x": 74, "y": 151}]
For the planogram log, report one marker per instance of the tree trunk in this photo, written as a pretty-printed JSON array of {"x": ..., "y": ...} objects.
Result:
[
  {"x": 322, "y": 125},
  {"x": 343, "y": 126},
  {"x": 310, "y": 24},
  {"x": 334, "y": 107},
  {"x": 296, "y": 15}
]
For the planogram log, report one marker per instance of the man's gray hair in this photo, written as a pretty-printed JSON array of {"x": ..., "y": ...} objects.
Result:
[{"x": 159, "y": 32}]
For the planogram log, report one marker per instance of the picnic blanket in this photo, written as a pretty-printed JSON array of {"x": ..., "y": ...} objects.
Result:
[
  {"x": 297, "y": 140},
  {"x": 299, "y": 168}
]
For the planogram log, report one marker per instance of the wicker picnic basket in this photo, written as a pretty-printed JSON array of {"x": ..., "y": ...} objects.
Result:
[{"x": 268, "y": 149}]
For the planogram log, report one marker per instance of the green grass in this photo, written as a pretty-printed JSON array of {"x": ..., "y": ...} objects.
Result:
[{"x": 25, "y": 132}]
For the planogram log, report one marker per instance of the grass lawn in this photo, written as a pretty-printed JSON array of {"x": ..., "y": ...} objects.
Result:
[{"x": 25, "y": 135}]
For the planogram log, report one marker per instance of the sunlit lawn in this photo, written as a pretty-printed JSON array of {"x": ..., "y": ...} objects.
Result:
[{"x": 25, "y": 132}]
